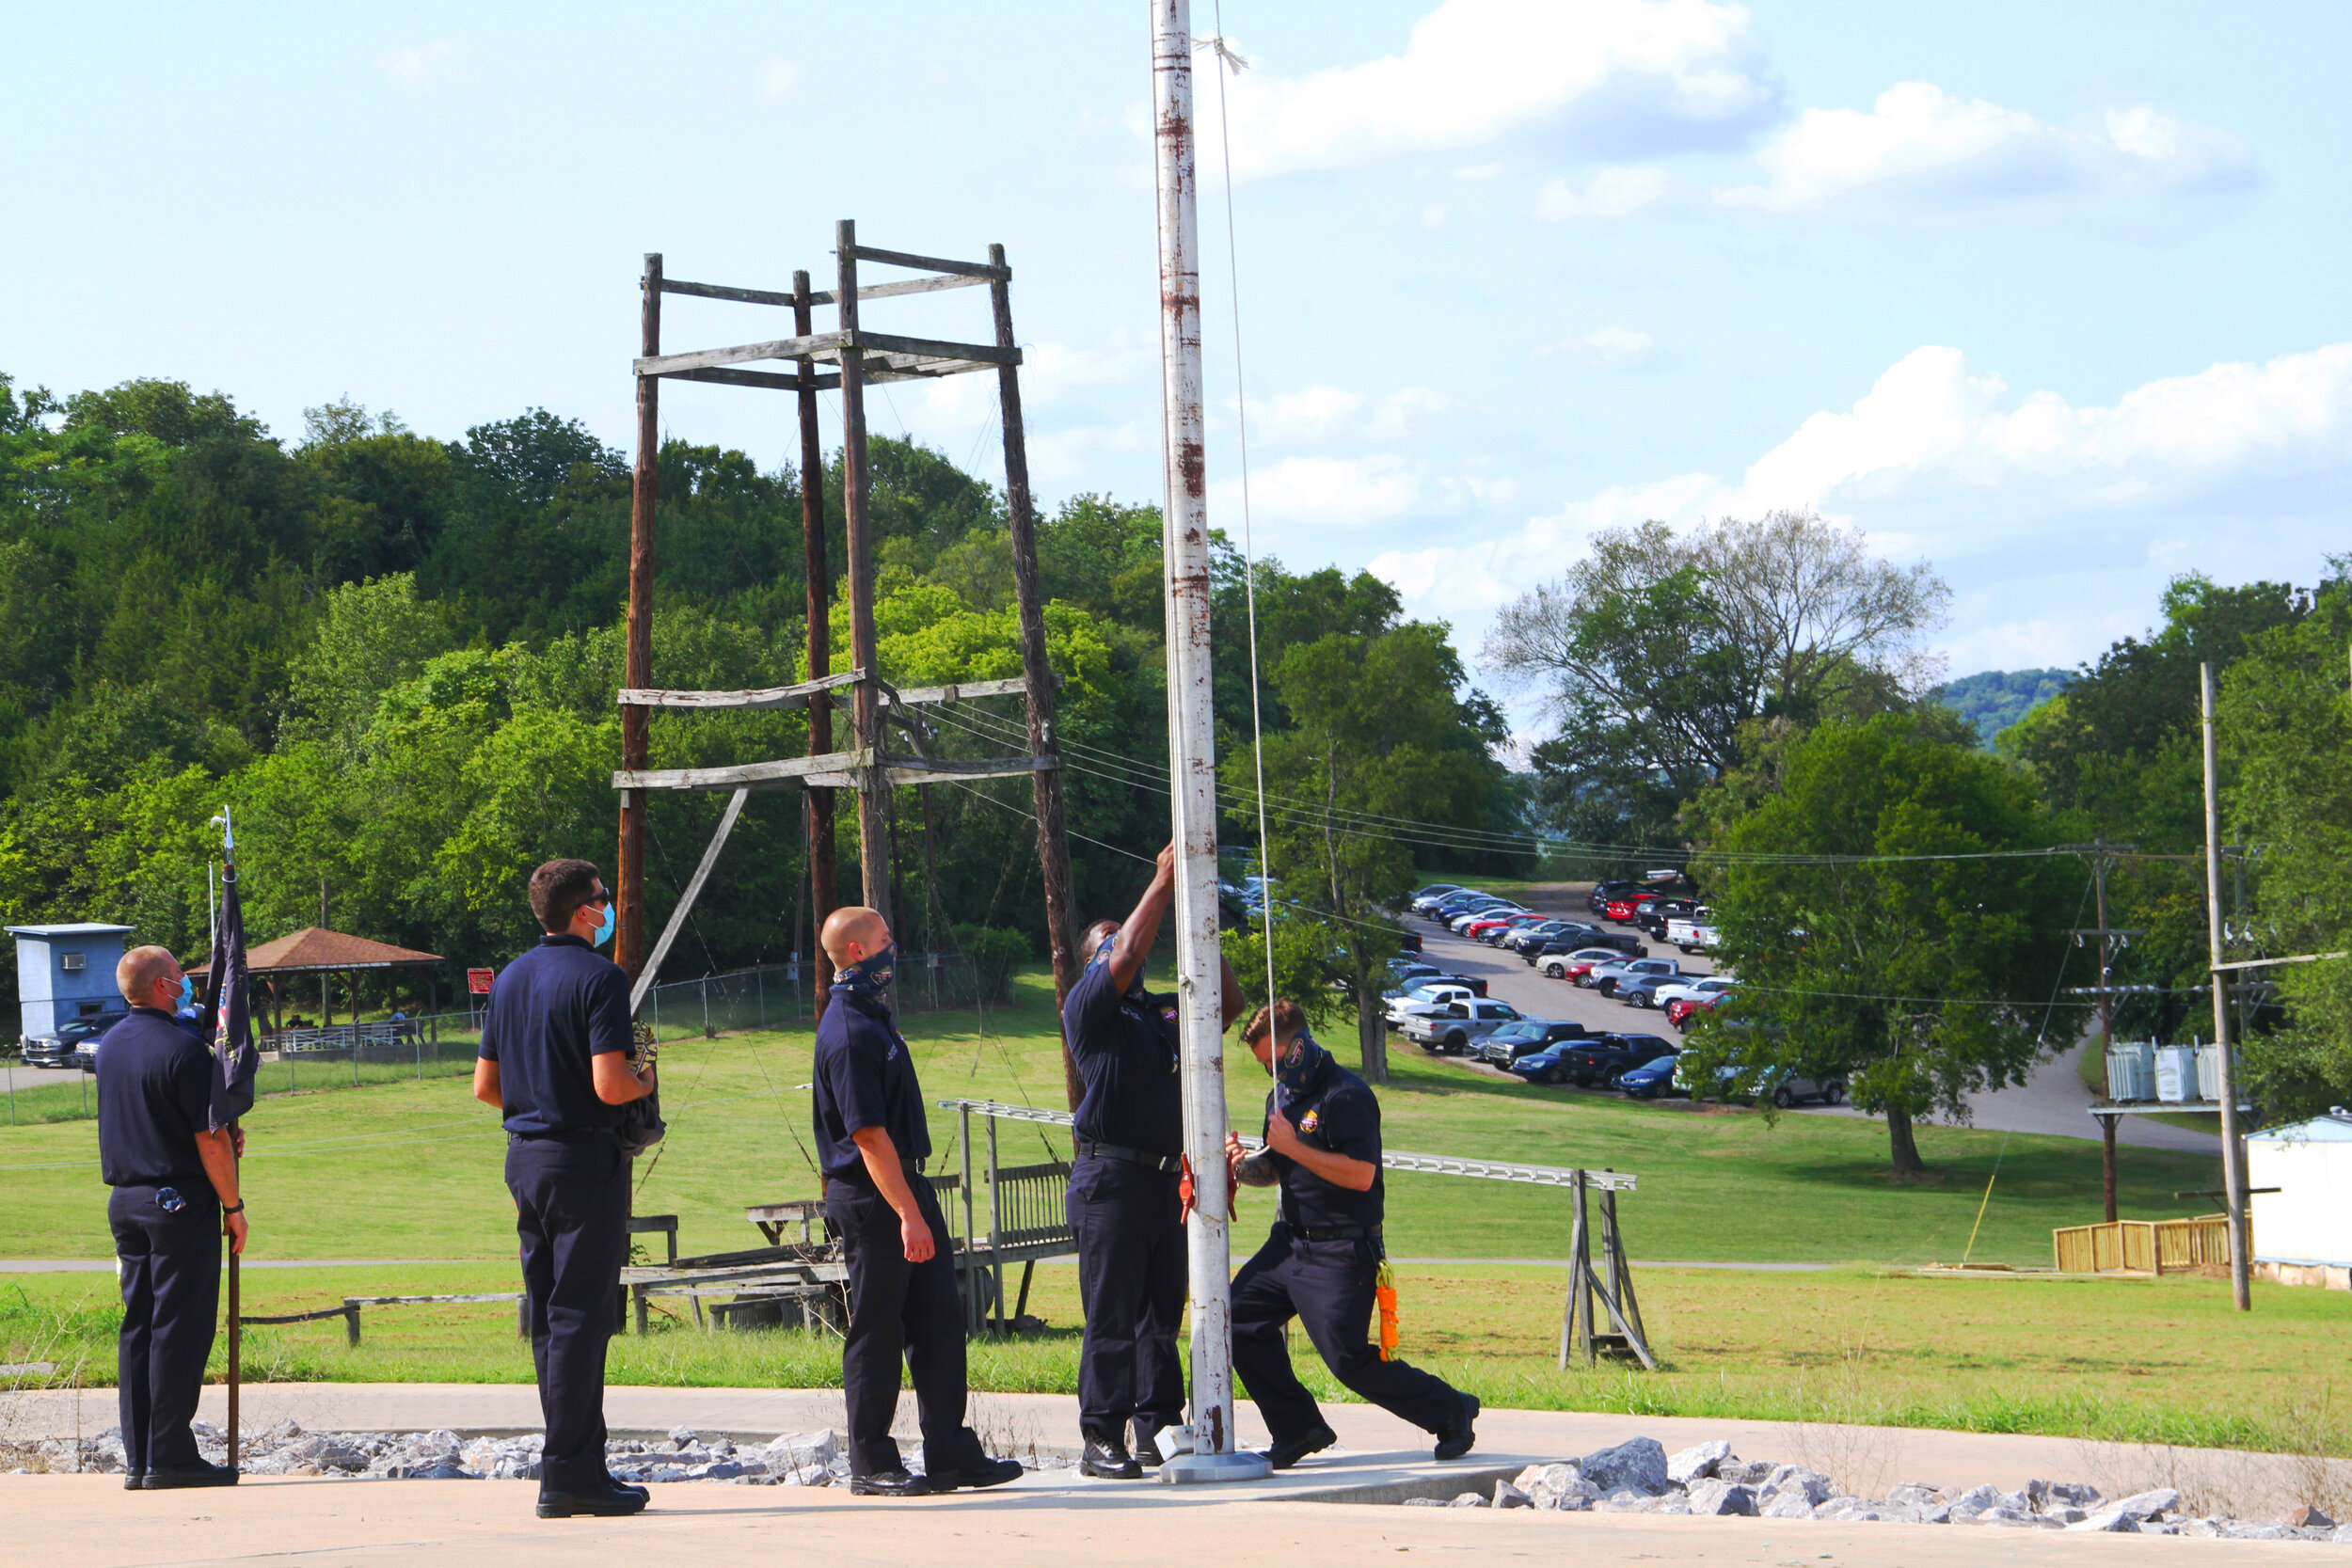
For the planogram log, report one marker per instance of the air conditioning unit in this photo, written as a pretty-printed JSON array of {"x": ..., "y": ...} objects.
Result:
[
  {"x": 2176, "y": 1073},
  {"x": 72, "y": 964},
  {"x": 2209, "y": 1072},
  {"x": 2132, "y": 1071}
]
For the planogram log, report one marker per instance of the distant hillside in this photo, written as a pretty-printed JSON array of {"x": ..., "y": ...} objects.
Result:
[{"x": 1998, "y": 698}]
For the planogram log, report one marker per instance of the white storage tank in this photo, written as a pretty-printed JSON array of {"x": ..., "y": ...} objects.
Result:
[
  {"x": 2132, "y": 1071},
  {"x": 2176, "y": 1073},
  {"x": 2303, "y": 1232}
]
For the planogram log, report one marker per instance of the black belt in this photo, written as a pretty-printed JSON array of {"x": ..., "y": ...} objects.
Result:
[
  {"x": 859, "y": 1175},
  {"x": 1170, "y": 1164},
  {"x": 1338, "y": 1232},
  {"x": 564, "y": 1134}
]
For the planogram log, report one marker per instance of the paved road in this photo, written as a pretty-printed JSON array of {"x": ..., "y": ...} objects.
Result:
[
  {"x": 2052, "y": 1101},
  {"x": 33, "y": 1077}
]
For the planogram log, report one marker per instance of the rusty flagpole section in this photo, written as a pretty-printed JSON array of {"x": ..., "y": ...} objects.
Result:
[{"x": 1192, "y": 760}]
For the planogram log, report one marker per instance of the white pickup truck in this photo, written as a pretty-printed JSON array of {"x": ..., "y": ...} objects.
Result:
[{"x": 1694, "y": 932}]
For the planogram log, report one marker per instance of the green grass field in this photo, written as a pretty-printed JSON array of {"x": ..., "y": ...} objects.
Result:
[{"x": 410, "y": 1170}]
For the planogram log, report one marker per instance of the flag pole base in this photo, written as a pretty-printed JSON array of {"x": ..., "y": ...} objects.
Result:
[{"x": 1190, "y": 1468}]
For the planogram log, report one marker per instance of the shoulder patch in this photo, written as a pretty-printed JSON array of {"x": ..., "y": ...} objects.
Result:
[{"x": 1312, "y": 1121}]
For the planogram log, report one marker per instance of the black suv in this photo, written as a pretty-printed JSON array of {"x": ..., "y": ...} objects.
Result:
[
  {"x": 1598, "y": 1063},
  {"x": 1622, "y": 941},
  {"x": 72, "y": 1044},
  {"x": 1524, "y": 1038}
]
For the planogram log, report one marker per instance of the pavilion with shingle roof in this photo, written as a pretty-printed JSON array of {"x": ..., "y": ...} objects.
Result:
[{"x": 316, "y": 950}]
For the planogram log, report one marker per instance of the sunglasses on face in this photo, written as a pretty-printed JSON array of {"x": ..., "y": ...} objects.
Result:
[{"x": 600, "y": 899}]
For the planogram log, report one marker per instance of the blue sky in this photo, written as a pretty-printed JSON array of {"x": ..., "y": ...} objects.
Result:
[{"x": 2049, "y": 295}]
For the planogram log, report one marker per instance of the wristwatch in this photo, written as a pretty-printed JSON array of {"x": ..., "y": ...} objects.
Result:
[{"x": 238, "y": 1208}]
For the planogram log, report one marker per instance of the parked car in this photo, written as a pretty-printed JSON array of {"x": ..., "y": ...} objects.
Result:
[
  {"x": 1598, "y": 900},
  {"x": 1432, "y": 894},
  {"x": 1656, "y": 913},
  {"x": 1427, "y": 997},
  {"x": 1682, "y": 1009},
  {"x": 1471, "y": 917},
  {"x": 1477, "y": 927},
  {"x": 1543, "y": 1067},
  {"x": 1450, "y": 1030},
  {"x": 1605, "y": 978},
  {"x": 1745, "y": 1086},
  {"x": 1694, "y": 932},
  {"x": 1536, "y": 931},
  {"x": 1406, "y": 971},
  {"x": 1641, "y": 990},
  {"x": 1525, "y": 1038},
  {"x": 1493, "y": 934},
  {"x": 1697, "y": 988},
  {"x": 1595, "y": 1063},
  {"x": 72, "y": 1044},
  {"x": 1624, "y": 944},
  {"x": 1625, "y": 908},
  {"x": 1650, "y": 1079},
  {"x": 1567, "y": 966}
]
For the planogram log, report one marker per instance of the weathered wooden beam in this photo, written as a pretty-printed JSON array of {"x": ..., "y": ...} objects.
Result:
[
  {"x": 782, "y": 769},
  {"x": 935, "y": 348},
  {"x": 816, "y": 344},
  {"x": 932, "y": 263},
  {"x": 768, "y": 379},
  {"x": 821, "y": 297},
  {"x": 685, "y": 902},
  {"x": 916, "y": 770},
  {"x": 773, "y": 696},
  {"x": 1013, "y": 688}
]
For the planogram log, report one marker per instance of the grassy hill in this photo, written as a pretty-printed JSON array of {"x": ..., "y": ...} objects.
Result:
[{"x": 1995, "y": 699}]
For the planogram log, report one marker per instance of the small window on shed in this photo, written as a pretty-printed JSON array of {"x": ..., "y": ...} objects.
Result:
[
  {"x": 72, "y": 964},
  {"x": 90, "y": 1010}
]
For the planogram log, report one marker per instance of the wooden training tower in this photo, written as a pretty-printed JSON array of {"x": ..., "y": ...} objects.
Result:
[{"x": 871, "y": 764}]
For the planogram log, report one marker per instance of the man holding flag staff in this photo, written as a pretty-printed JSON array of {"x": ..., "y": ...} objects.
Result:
[
  {"x": 1125, "y": 1199},
  {"x": 174, "y": 1175}
]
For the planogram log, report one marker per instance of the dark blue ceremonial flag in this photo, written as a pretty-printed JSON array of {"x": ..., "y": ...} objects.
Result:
[{"x": 227, "y": 1005}]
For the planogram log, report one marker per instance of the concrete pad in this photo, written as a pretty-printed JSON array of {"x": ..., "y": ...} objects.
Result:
[{"x": 87, "y": 1521}]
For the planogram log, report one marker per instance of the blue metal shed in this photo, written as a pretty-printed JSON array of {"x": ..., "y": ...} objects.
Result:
[{"x": 65, "y": 972}]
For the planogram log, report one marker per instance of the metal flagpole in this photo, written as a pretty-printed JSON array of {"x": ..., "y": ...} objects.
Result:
[{"x": 1192, "y": 759}]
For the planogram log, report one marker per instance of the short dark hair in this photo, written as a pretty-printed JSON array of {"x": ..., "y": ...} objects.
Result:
[
  {"x": 559, "y": 888},
  {"x": 1287, "y": 1016}
]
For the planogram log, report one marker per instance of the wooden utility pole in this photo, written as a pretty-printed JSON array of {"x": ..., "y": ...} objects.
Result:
[
  {"x": 629, "y": 943},
  {"x": 1053, "y": 843},
  {"x": 2233, "y": 1176},
  {"x": 2102, "y": 856},
  {"x": 823, "y": 876}
]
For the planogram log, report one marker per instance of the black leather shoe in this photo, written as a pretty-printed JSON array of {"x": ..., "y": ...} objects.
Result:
[
  {"x": 1456, "y": 1440},
  {"x": 1284, "y": 1454},
  {"x": 610, "y": 1501},
  {"x": 629, "y": 1487},
  {"x": 1143, "y": 1441},
  {"x": 134, "y": 1480},
  {"x": 166, "y": 1478},
  {"x": 1109, "y": 1461},
  {"x": 890, "y": 1484},
  {"x": 988, "y": 1472}
]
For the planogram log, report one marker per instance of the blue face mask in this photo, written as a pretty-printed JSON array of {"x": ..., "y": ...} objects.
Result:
[
  {"x": 604, "y": 932},
  {"x": 187, "y": 993},
  {"x": 1299, "y": 1070},
  {"x": 870, "y": 977}
]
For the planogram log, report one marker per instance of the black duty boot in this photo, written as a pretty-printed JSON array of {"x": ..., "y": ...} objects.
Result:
[
  {"x": 166, "y": 1478},
  {"x": 610, "y": 1501},
  {"x": 1456, "y": 1440},
  {"x": 984, "y": 1472},
  {"x": 1143, "y": 1441},
  {"x": 1288, "y": 1452},
  {"x": 134, "y": 1480},
  {"x": 1109, "y": 1460},
  {"x": 890, "y": 1484}
]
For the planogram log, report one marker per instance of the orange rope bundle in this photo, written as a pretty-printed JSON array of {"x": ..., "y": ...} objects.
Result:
[{"x": 1384, "y": 1292}]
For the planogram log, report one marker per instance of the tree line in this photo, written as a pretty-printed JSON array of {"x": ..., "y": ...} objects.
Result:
[
  {"x": 396, "y": 658},
  {"x": 1898, "y": 900}
]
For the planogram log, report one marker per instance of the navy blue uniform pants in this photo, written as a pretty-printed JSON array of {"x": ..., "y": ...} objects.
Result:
[
  {"x": 571, "y": 1210},
  {"x": 900, "y": 1309},
  {"x": 1327, "y": 1286},
  {"x": 170, "y": 1268},
  {"x": 1132, "y": 1279}
]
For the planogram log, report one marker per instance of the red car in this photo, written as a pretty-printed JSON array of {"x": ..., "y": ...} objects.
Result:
[
  {"x": 1680, "y": 1011},
  {"x": 1622, "y": 910},
  {"x": 1476, "y": 930},
  {"x": 1492, "y": 935}
]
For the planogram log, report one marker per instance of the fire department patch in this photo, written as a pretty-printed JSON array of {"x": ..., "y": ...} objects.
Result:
[{"x": 1309, "y": 1122}]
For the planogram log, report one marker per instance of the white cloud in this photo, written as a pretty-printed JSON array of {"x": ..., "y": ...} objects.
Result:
[
  {"x": 777, "y": 79},
  {"x": 2056, "y": 523},
  {"x": 421, "y": 67},
  {"x": 1610, "y": 348},
  {"x": 1920, "y": 152},
  {"x": 1614, "y": 192},
  {"x": 1333, "y": 494},
  {"x": 1319, "y": 413},
  {"x": 1600, "y": 75}
]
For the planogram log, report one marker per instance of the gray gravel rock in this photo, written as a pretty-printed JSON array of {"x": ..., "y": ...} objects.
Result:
[
  {"x": 1508, "y": 1495},
  {"x": 1788, "y": 1480},
  {"x": 1973, "y": 1502},
  {"x": 1468, "y": 1499},
  {"x": 1698, "y": 1462},
  {"x": 1715, "y": 1496},
  {"x": 1638, "y": 1463},
  {"x": 2129, "y": 1515}
]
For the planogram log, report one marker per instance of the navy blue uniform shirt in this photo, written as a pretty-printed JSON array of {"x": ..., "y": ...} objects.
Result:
[
  {"x": 155, "y": 1095},
  {"x": 1126, "y": 1051},
  {"x": 1341, "y": 1116},
  {"x": 551, "y": 1010},
  {"x": 864, "y": 1078}
]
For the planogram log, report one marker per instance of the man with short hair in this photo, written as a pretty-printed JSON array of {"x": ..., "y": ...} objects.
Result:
[
  {"x": 872, "y": 1138},
  {"x": 1125, "y": 1198},
  {"x": 1321, "y": 1262},
  {"x": 174, "y": 1180},
  {"x": 554, "y": 1061}
]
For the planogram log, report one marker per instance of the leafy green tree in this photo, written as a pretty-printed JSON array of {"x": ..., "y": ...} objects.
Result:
[{"x": 1916, "y": 957}]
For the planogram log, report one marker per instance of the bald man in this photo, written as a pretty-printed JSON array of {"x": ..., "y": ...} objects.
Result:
[
  {"x": 872, "y": 1138},
  {"x": 174, "y": 1178}
]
